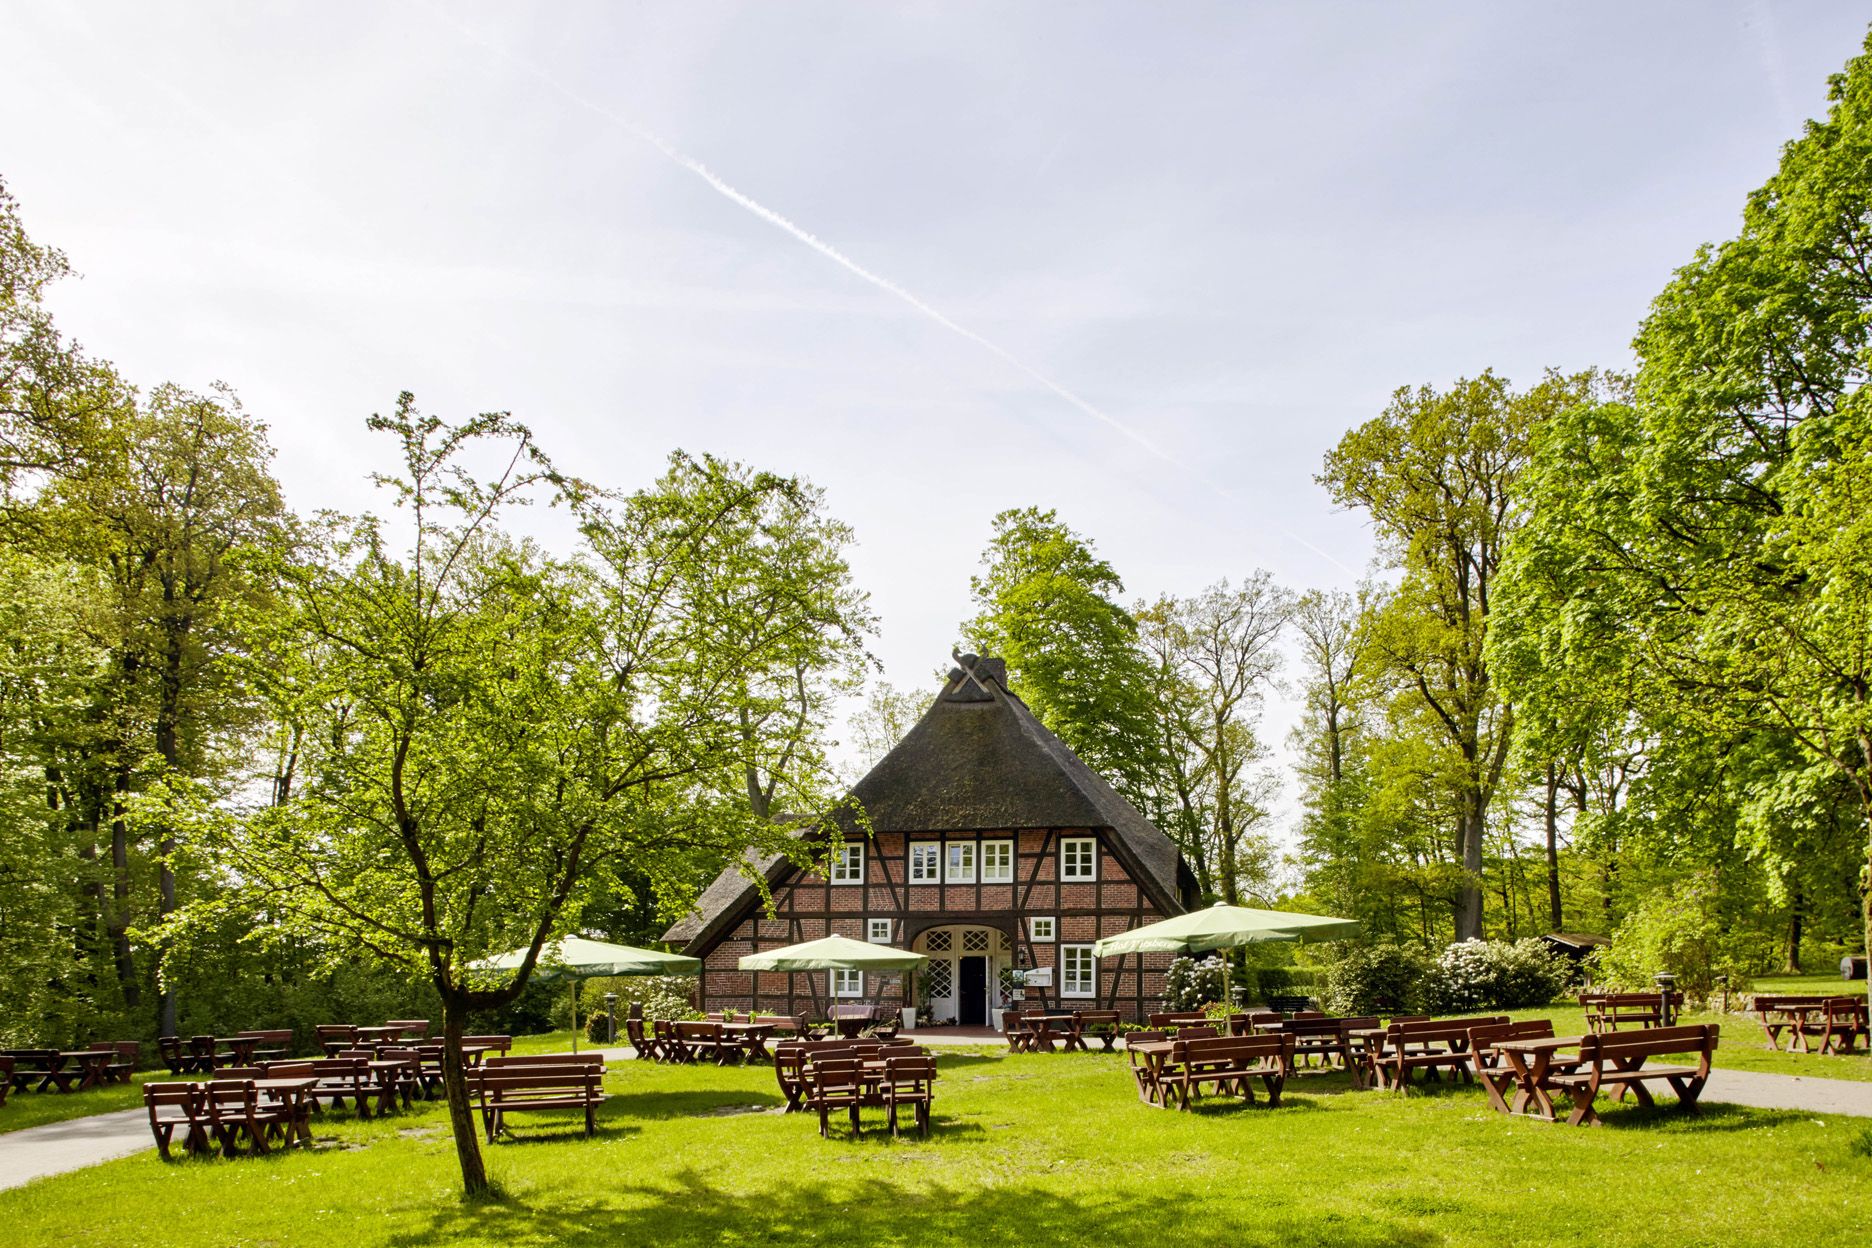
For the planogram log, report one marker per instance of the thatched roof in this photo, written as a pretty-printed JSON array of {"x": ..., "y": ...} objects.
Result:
[{"x": 978, "y": 760}]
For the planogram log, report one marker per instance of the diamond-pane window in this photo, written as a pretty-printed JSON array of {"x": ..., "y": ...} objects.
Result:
[
  {"x": 974, "y": 940},
  {"x": 936, "y": 942},
  {"x": 939, "y": 982}
]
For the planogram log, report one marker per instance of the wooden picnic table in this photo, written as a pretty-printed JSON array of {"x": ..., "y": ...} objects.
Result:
[
  {"x": 68, "y": 1070},
  {"x": 379, "y": 1035},
  {"x": 1045, "y": 1028},
  {"x": 752, "y": 1038},
  {"x": 296, "y": 1096},
  {"x": 1532, "y": 1063}
]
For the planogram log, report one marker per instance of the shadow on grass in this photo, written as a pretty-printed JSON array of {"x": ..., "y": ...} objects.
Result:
[
  {"x": 697, "y": 1103},
  {"x": 684, "y": 1208}
]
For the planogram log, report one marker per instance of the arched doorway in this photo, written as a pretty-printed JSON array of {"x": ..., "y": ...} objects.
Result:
[{"x": 962, "y": 979}]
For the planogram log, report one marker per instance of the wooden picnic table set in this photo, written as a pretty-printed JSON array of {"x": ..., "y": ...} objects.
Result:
[
  {"x": 1040, "y": 1031},
  {"x": 721, "y": 1039},
  {"x": 1523, "y": 1066},
  {"x": 1837, "y": 1022},
  {"x": 67, "y": 1070},
  {"x": 837, "y": 1075}
]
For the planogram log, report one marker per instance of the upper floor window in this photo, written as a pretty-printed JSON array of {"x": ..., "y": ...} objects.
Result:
[
  {"x": 1040, "y": 928},
  {"x": 925, "y": 862},
  {"x": 1079, "y": 858},
  {"x": 997, "y": 862},
  {"x": 878, "y": 931},
  {"x": 848, "y": 864},
  {"x": 961, "y": 865}
]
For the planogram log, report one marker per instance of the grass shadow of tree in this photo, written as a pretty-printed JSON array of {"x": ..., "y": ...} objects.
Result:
[{"x": 686, "y": 1209}]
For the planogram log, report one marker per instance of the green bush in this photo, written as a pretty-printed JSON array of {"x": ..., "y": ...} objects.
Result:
[
  {"x": 1682, "y": 931},
  {"x": 1495, "y": 974},
  {"x": 1376, "y": 979}
]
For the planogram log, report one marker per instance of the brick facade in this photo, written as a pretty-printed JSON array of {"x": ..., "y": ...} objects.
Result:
[{"x": 806, "y": 906}]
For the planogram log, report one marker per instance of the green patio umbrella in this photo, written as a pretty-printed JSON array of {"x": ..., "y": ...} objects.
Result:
[
  {"x": 579, "y": 957},
  {"x": 833, "y": 953},
  {"x": 1223, "y": 926}
]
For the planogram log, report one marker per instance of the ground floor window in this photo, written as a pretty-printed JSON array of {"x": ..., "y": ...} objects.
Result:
[
  {"x": 1078, "y": 971},
  {"x": 848, "y": 983}
]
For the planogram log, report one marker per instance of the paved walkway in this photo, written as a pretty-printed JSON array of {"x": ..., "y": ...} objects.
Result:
[
  {"x": 70, "y": 1145},
  {"x": 78, "y": 1142},
  {"x": 1766, "y": 1091}
]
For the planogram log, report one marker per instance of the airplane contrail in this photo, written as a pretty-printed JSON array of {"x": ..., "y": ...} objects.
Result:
[{"x": 799, "y": 233}]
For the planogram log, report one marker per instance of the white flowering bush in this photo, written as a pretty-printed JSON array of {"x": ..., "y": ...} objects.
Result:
[
  {"x": 1495, "y": 974},
  {"x": 1190, "y": 984}
]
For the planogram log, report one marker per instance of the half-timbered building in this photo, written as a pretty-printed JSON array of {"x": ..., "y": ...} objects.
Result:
[{"x": 992, "y": 848}]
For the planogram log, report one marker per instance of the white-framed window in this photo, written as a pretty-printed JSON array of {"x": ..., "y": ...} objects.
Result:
[
  {"x": 848, "y": 864},
  {"x": 878, "y": 931},
  {"x": 925, "y": 862},
  {"x": 997, "y": 862},
  {"x": 1079, "y": 858},
  {"x": 1041, "y": 929},
  {"x": 848, "y": 983},
  {"x": 1078, "y": 971},
  {"x": 960, "y": 865}
]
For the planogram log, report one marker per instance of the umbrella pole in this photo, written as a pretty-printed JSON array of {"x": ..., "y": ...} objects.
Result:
[{"x": 575, "y": 1016}]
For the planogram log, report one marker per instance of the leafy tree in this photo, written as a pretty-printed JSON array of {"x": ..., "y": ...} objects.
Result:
[
  {"x": 1709, "y": 538},
  {"x": 1213, "y": 656},
  {"x": 492, "y": 738},
  {"x": 1047, "y": 604},
  {"x": 1438, "y": 473}
]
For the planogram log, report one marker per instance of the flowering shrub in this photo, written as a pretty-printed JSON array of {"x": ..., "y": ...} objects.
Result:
[
  {"x": 1494, "y": 974},
  {"x": 1190, "y": 984}
]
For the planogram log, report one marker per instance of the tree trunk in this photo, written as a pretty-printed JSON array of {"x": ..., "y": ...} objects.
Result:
[
  {"x": 1469, "y": 899},
  {"x": 1553, "y": 849},
  {"x": 118, "y": 924},
  {"x": 1795, "y": 902},
  {"x": 461, "y": 1114}
]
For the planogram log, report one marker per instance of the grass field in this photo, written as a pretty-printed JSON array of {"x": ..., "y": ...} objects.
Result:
[{"x": 1049, "y": 1149}]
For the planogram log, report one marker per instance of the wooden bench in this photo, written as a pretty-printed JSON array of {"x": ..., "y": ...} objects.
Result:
[
  {"x": 1227, "y": 1064},
  {"x": 911, "y": 1081},
  {"x": 1613, "y": 1060},
  {"x": 1844, "y": 1020},
  {"x": 548, "y": 1081},
  {"x": 1430, "y": 1045},
  {"x": 237, "y": 1114},
  {"x": 334, "y": 1036},
  {"x": 176, "y": 1107},
  {"x": 1609, "y": 1011},
  {"x": 1100, "y": 1025}
]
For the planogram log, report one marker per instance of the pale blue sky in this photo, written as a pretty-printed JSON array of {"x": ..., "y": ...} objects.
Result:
[{"x": 1230, "y": 230}]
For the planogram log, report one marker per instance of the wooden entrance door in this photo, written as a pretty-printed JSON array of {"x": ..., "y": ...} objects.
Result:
[{"x": 972, "y": 992}]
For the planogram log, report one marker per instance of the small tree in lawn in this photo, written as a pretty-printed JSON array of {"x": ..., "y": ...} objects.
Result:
[{"x": 490, "y": 738}]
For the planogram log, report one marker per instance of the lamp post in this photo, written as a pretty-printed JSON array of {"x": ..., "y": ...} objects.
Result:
[
  {"x": 1665, "y": 981},
  {"x": 611, "y": 1014}
]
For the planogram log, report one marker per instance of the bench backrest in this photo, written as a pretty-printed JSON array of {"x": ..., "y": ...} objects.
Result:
[
  {"x": 1652, "y": 1042},
  {"x": 1233, "y": 1049},
  {"x": 289, "y": 1070},
  {"x": 1172, "y": 1017},
  {"x": 1096, "y": 1018},
  {"x": 553, "y": 1060},
  {"x": 503, "y": 1043},
  {"x": 835, "y": 1072},
  {"x": 418, "y": 1026},
  {"x": 1485, "y": 1036},
  {"x": 496, "y": 1085},
  {"x": 699, "y": 1031},
  {"x": 1435, "y": 1029},
  {"x": 166, "y": 1095},
  {"x": 911, "y": 1071},
  {"x": 1783, "y": 1002}
]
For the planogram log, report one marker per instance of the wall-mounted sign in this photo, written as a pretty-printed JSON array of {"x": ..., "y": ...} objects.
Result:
[{"x": 1040, "y": 977}]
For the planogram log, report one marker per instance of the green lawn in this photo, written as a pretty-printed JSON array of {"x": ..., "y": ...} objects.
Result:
[{"x": 1031, "y": 1149}]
